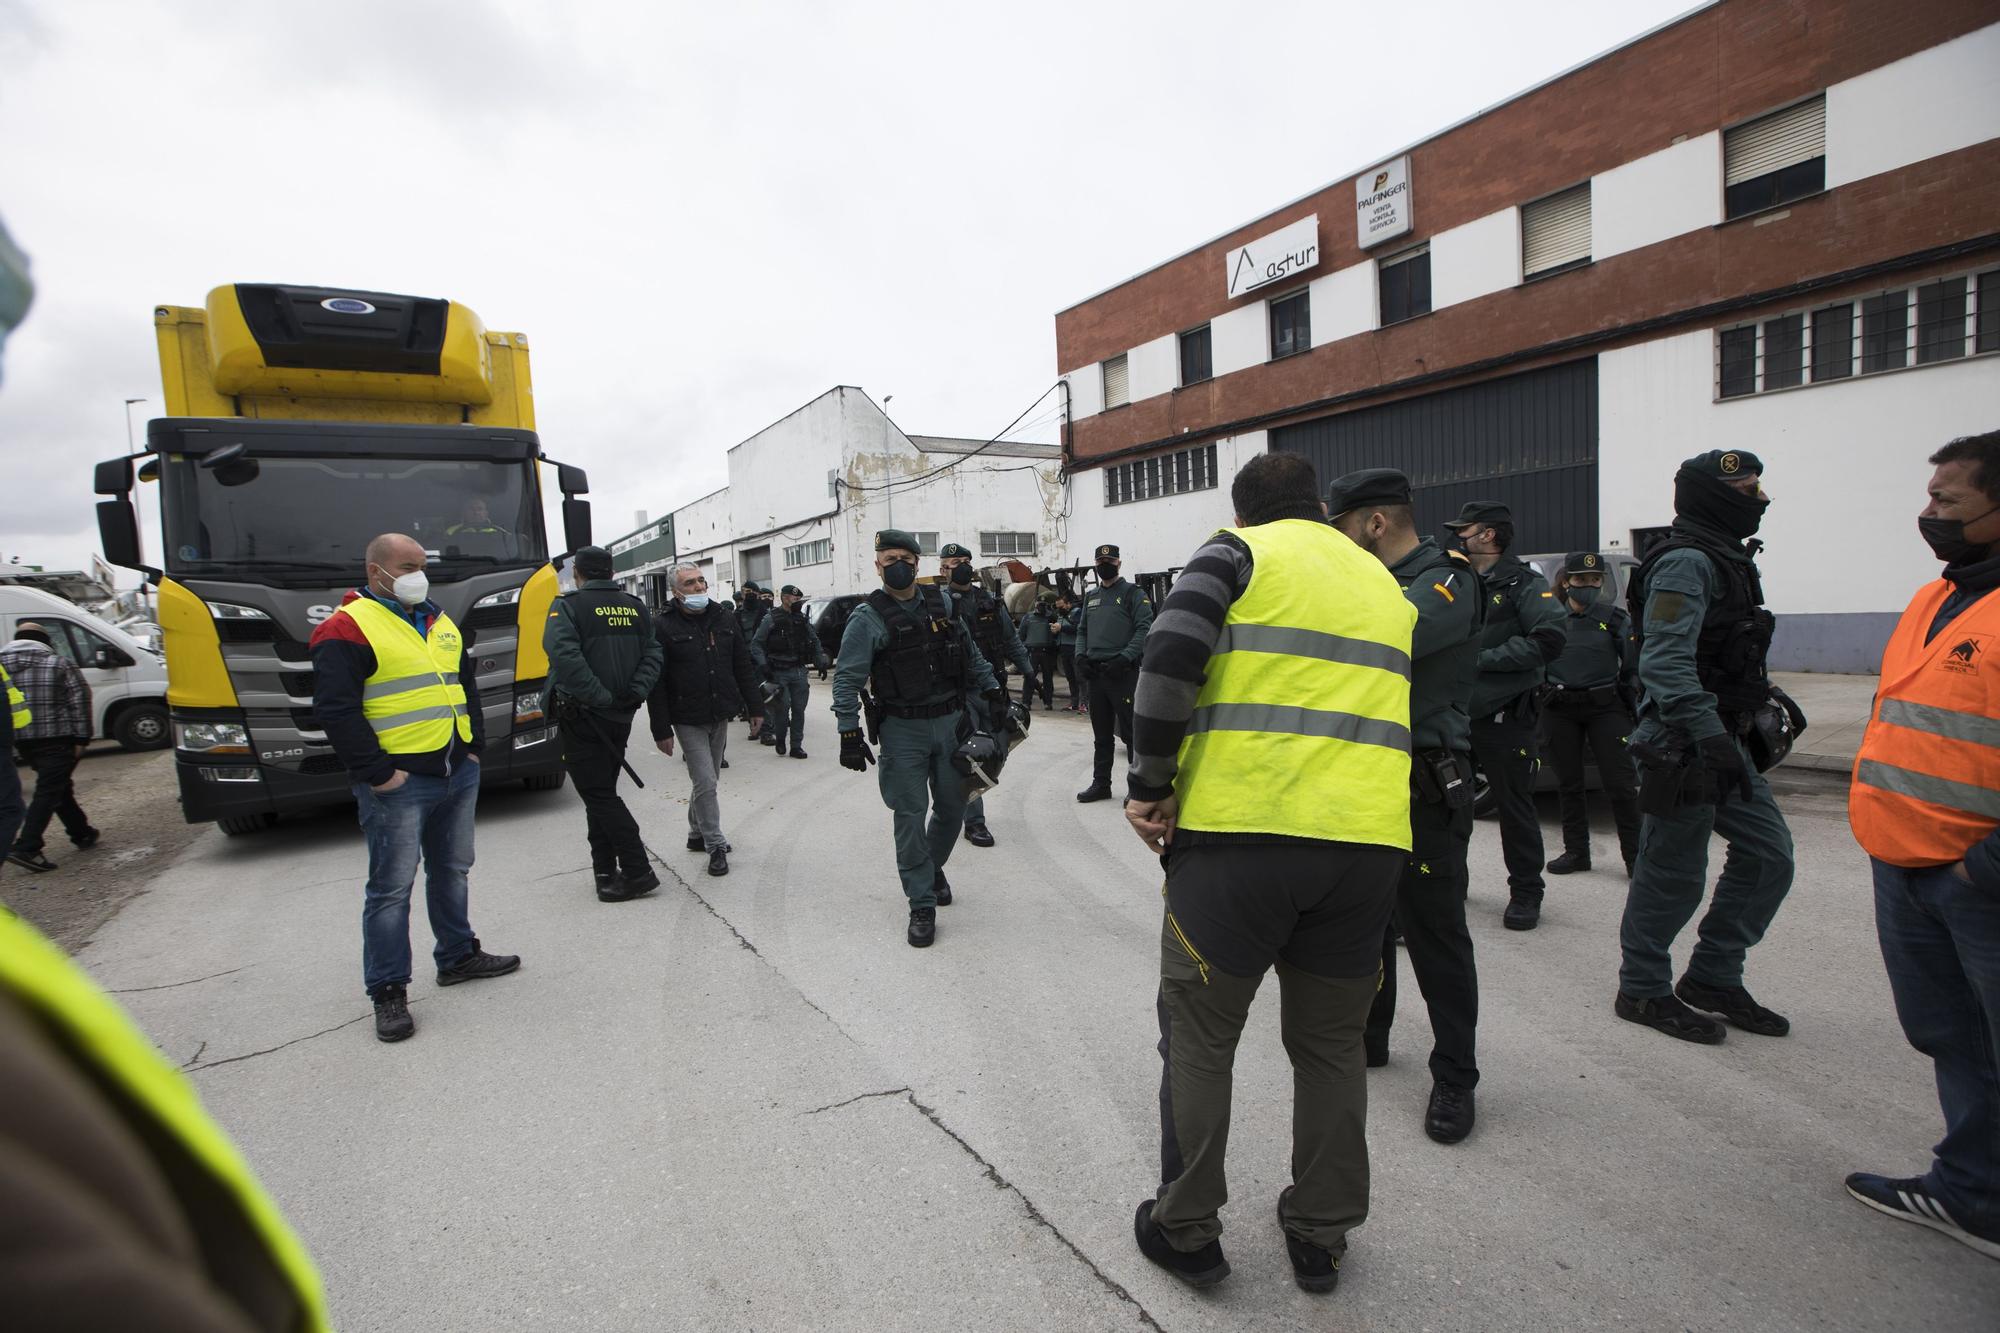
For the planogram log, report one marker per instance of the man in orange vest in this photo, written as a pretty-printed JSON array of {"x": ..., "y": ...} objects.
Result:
[{"x": 1925, "y": 804}]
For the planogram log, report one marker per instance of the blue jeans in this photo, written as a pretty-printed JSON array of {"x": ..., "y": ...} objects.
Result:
[
  {"x": 427, "y": 816},
  {"x": 1941, "y": 945}
]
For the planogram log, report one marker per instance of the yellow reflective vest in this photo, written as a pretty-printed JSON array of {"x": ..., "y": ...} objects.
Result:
[
  {"x": 100, "y": 1036},
  {"x": 1302, "y": 726},
  {"x": 414, "y": 699},
  {"x": 17, "y": 702}
]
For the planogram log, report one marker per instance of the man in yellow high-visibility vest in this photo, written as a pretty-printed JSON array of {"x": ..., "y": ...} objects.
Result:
[
  {"x": 14, "y": 716},
  {"x": 393, "y": 686},
  {"x": 1271, "y": 769}
]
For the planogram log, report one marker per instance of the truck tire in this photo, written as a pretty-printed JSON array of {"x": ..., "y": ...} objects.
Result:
[
  {"x": 545, "y": 781},
  {"x": 143, "y": 726},
  {"x": 237, "y": 826}
]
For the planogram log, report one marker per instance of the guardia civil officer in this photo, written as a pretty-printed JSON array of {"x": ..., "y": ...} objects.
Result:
[
  {"x": 1592, "y": 702},
  {"x": 1373, "y": 508},
  {"x": 1704, "y": 638},
  {"x": 906, "y": 646},
  {"x": 1066, "y": 620},
  {"x": 1039, "y": 629},
  {"x": 1523, "y": 635},
  {"x": 1110, "y": 637},
  {"x": 603, "y": 662},
  {"x": 1283, "y": 829},
  {"x": 994, "y": 635},
  {"x": 783, "y": 646}
]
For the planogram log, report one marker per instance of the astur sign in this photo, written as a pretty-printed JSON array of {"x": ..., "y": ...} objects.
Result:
[
  {"x": 1382, "y": 203},
  {"x": 1274, "y": 258}
]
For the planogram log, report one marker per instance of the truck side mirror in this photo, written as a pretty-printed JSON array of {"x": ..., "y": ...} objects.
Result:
[
  {"x": 118, "y": 533},
  {"x": 114, "y": 477},
  {"x": 572, "y": 481},
  {"x": 576, "y": 523}
]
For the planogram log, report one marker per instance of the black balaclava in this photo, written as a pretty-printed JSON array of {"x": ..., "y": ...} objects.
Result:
[{"x": 1702, "y": 494}]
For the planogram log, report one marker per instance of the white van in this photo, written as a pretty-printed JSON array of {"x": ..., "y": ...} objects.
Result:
[{"x": 128, "y": 680}]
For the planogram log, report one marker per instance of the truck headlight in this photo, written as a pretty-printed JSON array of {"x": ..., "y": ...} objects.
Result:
[
  {"x": 235, "y": 611},
  {"x": 212, "y": 737},
  {"x": 505, "y": 597},
  {"x": 528, "y": 706}
]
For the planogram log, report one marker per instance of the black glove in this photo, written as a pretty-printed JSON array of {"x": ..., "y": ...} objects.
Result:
[
  {"x": 822, "y": 673},
  {"x": 996, "y": 705},
  {"x": 1726, "y": 769},
  {"x": 854, "y": 752}
]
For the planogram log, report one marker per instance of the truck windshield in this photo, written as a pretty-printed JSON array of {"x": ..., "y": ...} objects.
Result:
[{"x": 293, "y": 519}]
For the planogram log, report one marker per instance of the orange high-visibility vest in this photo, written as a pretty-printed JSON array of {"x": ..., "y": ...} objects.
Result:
[{"x": 1927, "y": 778}]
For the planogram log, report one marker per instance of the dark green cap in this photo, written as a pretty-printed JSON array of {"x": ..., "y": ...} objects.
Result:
[
  {"x": 1371, "y": 486},
  {"x": 1481, "y": 513},
  {"x": 952, "y": 549},
  {"x": 895, "y": 539},
  {"x": 1725, "y": 464}
]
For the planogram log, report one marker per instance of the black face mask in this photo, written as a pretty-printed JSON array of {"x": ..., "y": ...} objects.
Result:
[
  {"x": 961, "y": 576},
  {"x": 1106, "y": 570},
  {"x": 900, "y": 575},
  {"x": 1946, "y": 536},
  {"x": 1717, "y": 504}
]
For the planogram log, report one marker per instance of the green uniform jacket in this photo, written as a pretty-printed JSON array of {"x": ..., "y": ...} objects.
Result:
[
  {"x": 612, "y": 673},
  {"x": 1679, "y": 588},
  {"x": 965, "y": 604},
  {"x": 1523, "y": 635},
  {"x": 1112, "y": 622},
  {"x": 866, "y": 636},
  {"x": 1444, "y": 651}
]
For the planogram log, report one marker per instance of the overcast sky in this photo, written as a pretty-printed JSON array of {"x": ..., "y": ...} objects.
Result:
[{"x": 702, "y": 215}]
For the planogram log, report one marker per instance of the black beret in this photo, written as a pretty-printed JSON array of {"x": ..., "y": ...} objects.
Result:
[
  {"x": 790, "y": 590},
  {"x": 1369, "y": 486},
  {"x": 1482, "y": 513},
  {"x": 895, "y": 539},
  {"x": 1725, "y": 464},
  {"x": 951, "y": 549}
]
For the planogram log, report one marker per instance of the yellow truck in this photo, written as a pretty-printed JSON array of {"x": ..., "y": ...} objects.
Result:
[{"x": 300, "y": 422}]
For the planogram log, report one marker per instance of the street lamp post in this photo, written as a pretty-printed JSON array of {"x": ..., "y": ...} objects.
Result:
[
  {"x": 130, "y": 446},
  {"x": 888, "y": 466}
]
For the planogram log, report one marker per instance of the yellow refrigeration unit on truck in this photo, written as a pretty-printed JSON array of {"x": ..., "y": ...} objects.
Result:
[{"x": 301, "y": 422}]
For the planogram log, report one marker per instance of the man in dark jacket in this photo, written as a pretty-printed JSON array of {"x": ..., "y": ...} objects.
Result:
[
  {"x": 783, "y": 645},
  {"x": 394, "y": 690},
  {"x": 52, "y": 742},
  {"x": 706, "y": 678},
  {"x": 1523, "y": 635},
  {"x": 1038, "y": 635},
  {"x": 603, "y": 661}
]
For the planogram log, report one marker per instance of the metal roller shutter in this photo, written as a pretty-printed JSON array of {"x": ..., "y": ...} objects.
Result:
[
  {"x": 1796, "y": 134},
  {"x": 1555, "y": 231},
  {"x": 1116, "y": 387}
]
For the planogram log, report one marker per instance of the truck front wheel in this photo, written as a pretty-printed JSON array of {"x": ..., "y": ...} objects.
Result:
[
  {"x": 544, "y": 781},
  {"x": 143, "y": 726},
  {"x": 236, "y": 826}
]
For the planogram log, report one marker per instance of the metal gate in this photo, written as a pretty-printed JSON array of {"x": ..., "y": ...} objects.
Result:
[{"x": 1529, "y": 441}]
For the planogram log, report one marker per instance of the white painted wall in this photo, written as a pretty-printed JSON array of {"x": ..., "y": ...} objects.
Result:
[
  {"x": 1162, "y": 533},
  {"x": 1844, "y": 463},
  {"x": 1154, "y": 367},
  {"x": 1239, "y": 339},
  {"x": 702, "y": 524},
  {"x": 1086, "y": 390},
  {"x": 1661, "y": 195},
  {"x": 1933, "y": 102},
  {"x": 1478, "y": 258},
  {"x": 1343, "y": 303}
]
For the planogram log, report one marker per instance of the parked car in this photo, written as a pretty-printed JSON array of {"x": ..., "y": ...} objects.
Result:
[{"x": 128, "y": 680}]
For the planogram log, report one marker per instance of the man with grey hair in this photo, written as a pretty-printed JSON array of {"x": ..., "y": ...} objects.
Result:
[{"x": 706, "y": 679}]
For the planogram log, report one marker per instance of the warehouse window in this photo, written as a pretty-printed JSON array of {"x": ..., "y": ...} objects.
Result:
[
  {"x": 999, "y": 544},
  {"x": 1196, "y": 363},
  {"x": 1116, "y": 385},
  {"x": 1167, "y": 474},
  {"x": 1944, "y": 320},
  {"x": 1775, "y": 159},
  {"x": 1291, "y": 325},
  {"x": 809, "y": 553},
  {"x": 1555, "y": 232},
  {"x": 927, "y": 542},
  {"x": 1405, "y": 282}
]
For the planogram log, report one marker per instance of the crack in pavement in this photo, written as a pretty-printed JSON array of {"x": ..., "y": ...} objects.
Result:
[
  {"x": 858, "y": 1097},
  {"x": 135, "y": 990},
  {"x": 196, "y": 1056},
  {"x": 553, "y": 874},
  {"x": 193, "y": 1068}
]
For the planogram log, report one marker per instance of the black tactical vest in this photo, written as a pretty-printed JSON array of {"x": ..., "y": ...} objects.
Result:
[
  {"x": 984, "y": 622},
  {"x": 923, "y": 658},
  {"x": 1731, "y": 656},
  {"x": 789, "y": 641}
]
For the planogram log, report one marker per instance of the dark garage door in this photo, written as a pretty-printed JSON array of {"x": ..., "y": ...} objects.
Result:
[{"x": 1529, "y": 441}]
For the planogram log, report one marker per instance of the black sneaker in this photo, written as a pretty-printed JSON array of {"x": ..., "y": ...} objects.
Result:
[
  {"x": 479, "y": 967},
  {"x": 777, "y": 748},
  {"x": 1314, "y": 1269},
  {"x": 392, "y": 1015},
  {"x": 87, "y": 840},
  {"x": 1569, "y": 863},
  {"x": 695, "y": 843},
  {"x": 1908, "y": 1200},
  {"x": 1096, "y": 791},
  {"x": 1448, "y": 1119},
  {"x": 1670, "y": 1016},
  {"x": 718, "y": 861},
  {"x": 797, "y": 753},
  {"x": 940, "y": 888},
  {"x": 923, "y": 927},
  {"x": 1521, "y": 914},
  {"x": 34, "y": 861},
  {"x": 978, "y": 834},
  {"x": 606, "y": 879},
  {"x": 1733, "y": 1003},
  {"x": 625, "y": 888},
  {"x": 1200, "y": 1268},
  {"x": 1375, "y": 1049}
]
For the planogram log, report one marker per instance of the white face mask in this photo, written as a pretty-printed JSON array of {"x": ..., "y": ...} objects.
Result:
[
  {"x": 411, "y": 588},
  {"x": 695, "y": 601}
]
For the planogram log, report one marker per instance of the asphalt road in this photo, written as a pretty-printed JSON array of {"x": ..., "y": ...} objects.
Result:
[{"x": 746, "y": 1103}]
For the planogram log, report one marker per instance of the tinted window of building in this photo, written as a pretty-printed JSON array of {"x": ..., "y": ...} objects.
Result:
[
  {"x": 1739, "y": 362},
  {"x": 1885, "y": 327},
  {"x": 1406, "y": 288},
  {"x": 1291, "y": 325},
  {"x": 1941, "y": 321},
  {"x": 1775, "y": 159},
  {"x": 1833, "y": 343},
  {"x": 1195, "y": 361},
  {"x": 1780, "y": 187},
  {"x": 1989, "y": 312},
  {"x": 1784, "y": 351}
]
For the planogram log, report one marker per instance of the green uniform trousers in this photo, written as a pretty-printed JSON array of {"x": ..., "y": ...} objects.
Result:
[
  {"x": 1672, "y": 874},
  {"x": 917, "y": 778}
]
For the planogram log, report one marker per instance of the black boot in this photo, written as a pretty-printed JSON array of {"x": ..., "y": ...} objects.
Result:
[
  {"x": 1448, "y": 1118},
  {"x": 1200, "y": 1268},
  {"x": 1521, "y": 914},
  {"x": 940, "y": 888},
  {"x": 1570, "y": 862},
  {"x": 478, "y": 967},
  {"x": 923, "y": 927},
  {"x": 1313, "y": 1268},
  {"x": 978, "y": 834},
  {"x": 392, "y": 1015},
  {"x": 1096, "y": 791},
  {"x": 718, "y": 862},
  {"x": 695, "y": 843}
]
